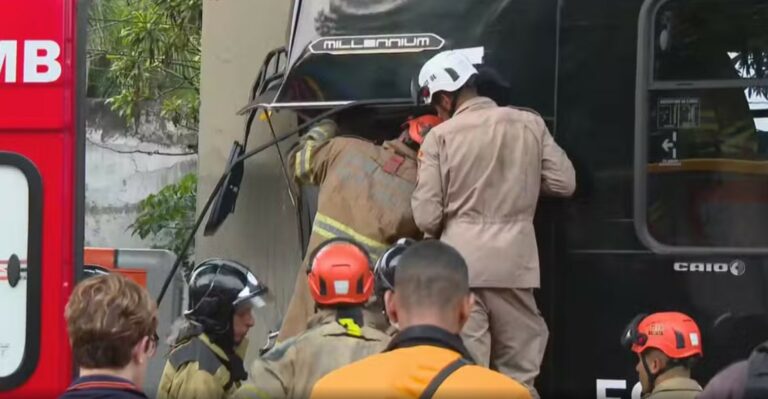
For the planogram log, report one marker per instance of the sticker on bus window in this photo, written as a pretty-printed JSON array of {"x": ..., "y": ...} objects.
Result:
[
  {"x": 14, "y": 219},
  {"x": 678, "y": 113}
]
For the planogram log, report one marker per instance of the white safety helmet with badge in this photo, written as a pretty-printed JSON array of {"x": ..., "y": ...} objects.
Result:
[{"x": 448, "y": 72}]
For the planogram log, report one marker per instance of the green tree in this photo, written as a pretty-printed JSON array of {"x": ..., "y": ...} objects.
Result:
[
  {"x": 168, "y": 216},
  {"x": 147, "y": 50},
  {"x": 144, "y": 52}
]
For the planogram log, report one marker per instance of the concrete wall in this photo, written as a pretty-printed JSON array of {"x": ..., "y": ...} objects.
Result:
[
  {"x": 120, "y": 172},
  {"x": 262, "y": 233}
]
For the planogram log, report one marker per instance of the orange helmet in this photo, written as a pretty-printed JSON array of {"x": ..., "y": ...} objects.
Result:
[
  {"x": 419, "y": 127},
  {"x": 340, "y": 273},
  {"x": 673, "y": 333}
]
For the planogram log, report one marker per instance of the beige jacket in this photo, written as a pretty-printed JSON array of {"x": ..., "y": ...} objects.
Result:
[
  {"x": 479, "y": 179},
  {"x": 365, "y": 193},
  {"x": 676, "y": 388},
  {"x": 291, "y": 368}
]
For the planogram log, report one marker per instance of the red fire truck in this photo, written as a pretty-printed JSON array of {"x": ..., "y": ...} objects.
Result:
[{"x": 41, "y": 180}]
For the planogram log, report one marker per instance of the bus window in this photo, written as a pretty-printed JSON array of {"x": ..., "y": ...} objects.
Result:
[
  {"x": 703, "y": 120},
  {"x": 14, "y": 213},
  {"x": 20, "y": 221}
]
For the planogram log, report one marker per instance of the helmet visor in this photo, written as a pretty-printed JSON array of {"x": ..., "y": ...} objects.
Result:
[
  {"x": 254, "y": 293},
  {"x": 631, "y": 337}
]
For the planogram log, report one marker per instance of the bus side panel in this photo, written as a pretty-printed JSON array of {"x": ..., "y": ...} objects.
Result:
[{"x": 604, "y": 275}]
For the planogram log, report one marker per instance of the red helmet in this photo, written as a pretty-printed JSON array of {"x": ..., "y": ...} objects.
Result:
[
  {"x": 340, "y": 273},
  {"x": 419, "y": 127},
  {"x": 673, "y": 333}
]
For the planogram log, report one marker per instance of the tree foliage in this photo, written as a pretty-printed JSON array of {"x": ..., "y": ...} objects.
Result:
[
  {"x": 147, "y": 50},
  {"x": 168, "y": 216},
  {"x": 144, "y": 52}
]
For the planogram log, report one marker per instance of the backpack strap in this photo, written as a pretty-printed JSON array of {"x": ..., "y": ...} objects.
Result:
[{"x": 438, "y": 380}]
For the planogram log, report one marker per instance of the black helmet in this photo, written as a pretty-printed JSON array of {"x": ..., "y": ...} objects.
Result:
[
  {"x": 93, "y": 271},
  {"x": 384, "y": 271},
  {"x": 216, "y": 288}
]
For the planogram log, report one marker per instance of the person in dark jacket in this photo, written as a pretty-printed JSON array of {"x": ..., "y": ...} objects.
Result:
[
  {"x": 747, "y": 379},
  {"x": 730, "y": 383},
  {"x": 112, "y": 324}
]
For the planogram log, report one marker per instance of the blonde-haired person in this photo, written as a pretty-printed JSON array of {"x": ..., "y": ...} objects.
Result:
[{"x": 112, "y": 324}]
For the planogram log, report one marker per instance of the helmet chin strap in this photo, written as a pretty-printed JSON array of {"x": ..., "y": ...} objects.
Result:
[
  {"x": 454, "y": 103},
  {"x": 405, "y": 139},
  {"x": 651, "y": 376}
]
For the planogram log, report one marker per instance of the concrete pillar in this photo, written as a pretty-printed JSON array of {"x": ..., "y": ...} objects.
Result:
[{"x": 261, "y": 233}]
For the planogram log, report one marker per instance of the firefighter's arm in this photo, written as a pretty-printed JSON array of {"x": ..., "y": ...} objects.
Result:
[
  {"x": 558, "y": 178},
  {"x": 265, "y": 380},
  {"x": 271, "y": 376},
  {"x": 309, "y": 160},
  {"x": 427, "y": 200}
]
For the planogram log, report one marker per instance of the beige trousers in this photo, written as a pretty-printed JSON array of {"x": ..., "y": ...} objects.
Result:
[{"x": 506, "y": 332}]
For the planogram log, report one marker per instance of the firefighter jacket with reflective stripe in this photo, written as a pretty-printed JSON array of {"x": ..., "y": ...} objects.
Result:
[
  {"x": 364, "y": 195},
  {"x": 480, "y": 177},
  {"x": 413, "y": 359},
  {"x": 291, "y": 368},
  {"x": 197, "y": 369},
  {"x": 364, "y": 189}
]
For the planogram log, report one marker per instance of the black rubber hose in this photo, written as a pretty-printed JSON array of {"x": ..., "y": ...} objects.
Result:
[{"x": 220, "y": 183}]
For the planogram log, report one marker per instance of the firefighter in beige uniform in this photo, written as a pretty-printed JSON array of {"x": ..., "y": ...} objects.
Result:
[
  {"x": 209, "y": 344},
  {"x": 335, "y": 335},
  {"x": 480, "y": 175},
  {"x": 365, "y": 192}
]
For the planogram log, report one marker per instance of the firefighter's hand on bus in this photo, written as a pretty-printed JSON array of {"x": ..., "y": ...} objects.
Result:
[{"x": 322, "y": 131}]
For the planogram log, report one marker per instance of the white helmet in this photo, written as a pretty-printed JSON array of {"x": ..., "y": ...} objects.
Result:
[{"x": 447, "y": 71}]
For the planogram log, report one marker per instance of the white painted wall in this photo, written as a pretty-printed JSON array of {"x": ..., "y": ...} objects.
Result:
[{"x": 117, "y": 178}]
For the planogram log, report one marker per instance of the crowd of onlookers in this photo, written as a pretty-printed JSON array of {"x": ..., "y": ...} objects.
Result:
[{"x": 423, "y": 290}]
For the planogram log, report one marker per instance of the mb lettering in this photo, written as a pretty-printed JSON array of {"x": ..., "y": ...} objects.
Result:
[
  {"x": 40, "y": 61},
  {"x": 737, "y": 268}
]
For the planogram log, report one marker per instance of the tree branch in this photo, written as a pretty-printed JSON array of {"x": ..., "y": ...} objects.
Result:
[{"x": 156, "y": 152}]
